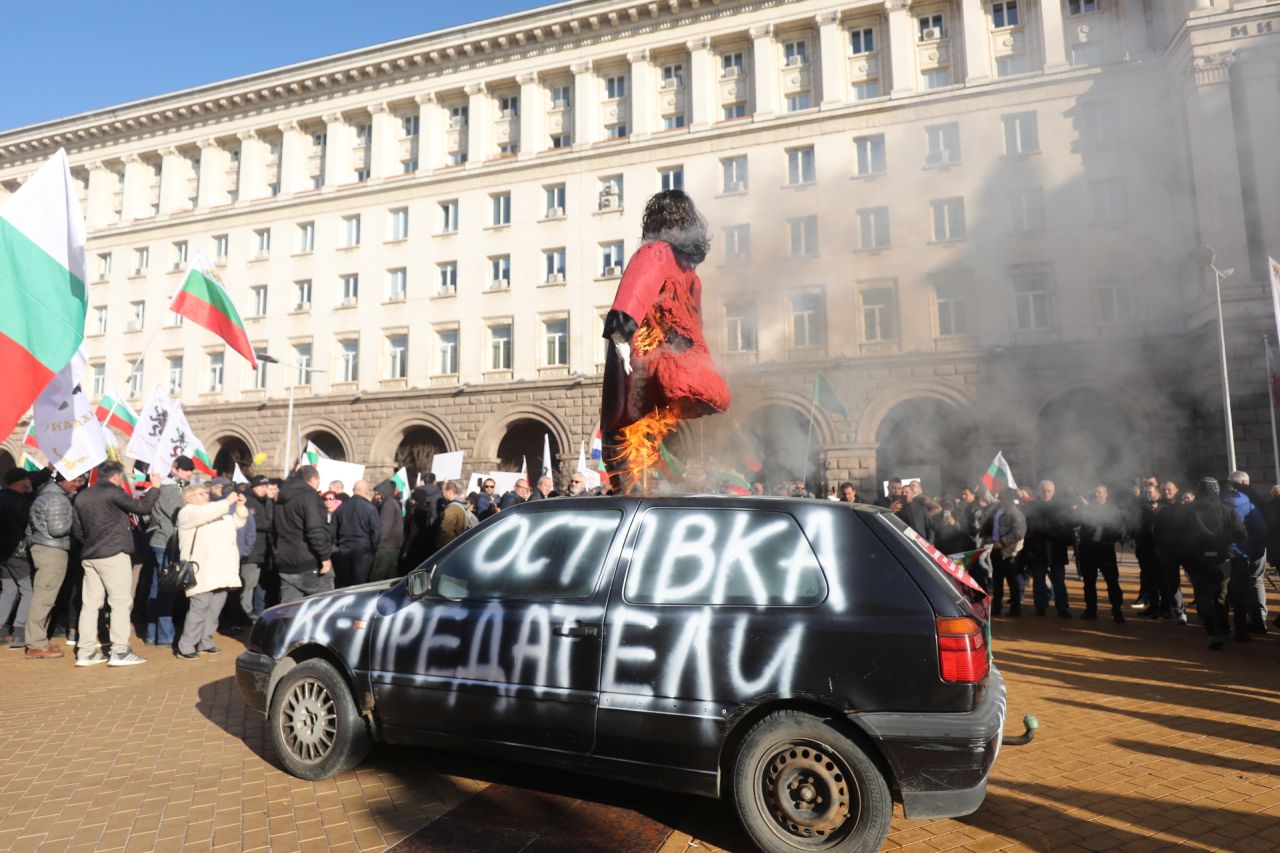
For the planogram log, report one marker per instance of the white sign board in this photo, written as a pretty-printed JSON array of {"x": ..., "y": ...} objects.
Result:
[
  {"x": 345, "y": 472},
  {"x": 447, "y": 466}
]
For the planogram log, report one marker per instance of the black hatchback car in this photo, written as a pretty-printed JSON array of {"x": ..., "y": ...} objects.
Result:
[{"x": 811, "y": 660}]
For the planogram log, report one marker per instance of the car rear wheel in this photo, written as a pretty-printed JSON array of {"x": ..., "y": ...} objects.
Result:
[
  {"x": 800, "y": 784},
  {"x": 315, "y": 727}
]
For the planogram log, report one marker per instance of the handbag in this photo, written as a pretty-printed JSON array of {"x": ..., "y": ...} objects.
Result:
[{"x": 180, "y": 575}]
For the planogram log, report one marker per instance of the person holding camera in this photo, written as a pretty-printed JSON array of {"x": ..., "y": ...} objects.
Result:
[{"x": 207, "y": 537}]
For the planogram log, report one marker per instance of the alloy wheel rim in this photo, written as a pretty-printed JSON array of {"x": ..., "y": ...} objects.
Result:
[{"x": 309, "y": 721}]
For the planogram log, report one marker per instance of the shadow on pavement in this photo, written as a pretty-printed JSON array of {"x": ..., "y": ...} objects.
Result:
[{"x": 1198, "y": 758}]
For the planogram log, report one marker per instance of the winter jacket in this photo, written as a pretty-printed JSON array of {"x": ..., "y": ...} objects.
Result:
[
  {"x": 260, "y": 509},
  {"x": 1170, "y": 527},
  {"x": 1255, "y": 526},
  {"x": 1101, "y": 526},
  {"x": 51, "y": 517},
  {"x": 390, "y": 518},
  {"x": 247, "y": 537},
  {"x": 207, "y": 536},
  {"x": 486, "y": 505},
  {"x": 916, "y": 516},
  {"x": 1212, "y": 528},
  {"x": 510, "y": 499},
  {"x": 1012, "y": 530},
  {"x": 299, "y": 532},
  {"x": 1048, "y": 533},
  {"x": 15, "y": 512},
  {"x": 101, "y": 521},
  {"x": 355, "y": 527},
  {"x": 453, "y": 522},
  {"x": 164, "y": 514}
]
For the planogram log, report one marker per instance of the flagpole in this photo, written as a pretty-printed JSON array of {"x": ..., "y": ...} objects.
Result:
[
  {"x": 1271, "y": 407},
  {"x": 115, "y": 399},
  {"x": 808, "y": 436}
]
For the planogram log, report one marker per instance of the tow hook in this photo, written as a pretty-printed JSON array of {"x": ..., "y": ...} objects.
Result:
[{"x": 1026, "y": 737}]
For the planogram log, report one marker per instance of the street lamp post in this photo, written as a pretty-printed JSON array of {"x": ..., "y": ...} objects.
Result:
[
  {"x": 1205, "y": 257},
  {"x": 288, "y": 430}
]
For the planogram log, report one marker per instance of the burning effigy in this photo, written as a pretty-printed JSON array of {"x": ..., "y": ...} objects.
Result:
[{"x": 658, "y": 370}]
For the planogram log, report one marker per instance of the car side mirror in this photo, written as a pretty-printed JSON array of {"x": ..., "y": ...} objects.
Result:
[{"x": 418, "y": 582}]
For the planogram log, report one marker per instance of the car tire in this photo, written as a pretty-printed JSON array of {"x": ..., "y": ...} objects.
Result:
[
  {"x": 315, "y": 727},
  {"x": 800, "y": 784}
]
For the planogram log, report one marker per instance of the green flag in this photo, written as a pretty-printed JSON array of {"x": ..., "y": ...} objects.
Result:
[{"x": 825, "y": 396}]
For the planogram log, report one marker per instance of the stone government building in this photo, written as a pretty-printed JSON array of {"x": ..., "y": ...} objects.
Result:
[{"x": 972, "y": 216}]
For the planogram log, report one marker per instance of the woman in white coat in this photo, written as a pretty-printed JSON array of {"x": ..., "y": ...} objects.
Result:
[{"x": 207, "y": 536}]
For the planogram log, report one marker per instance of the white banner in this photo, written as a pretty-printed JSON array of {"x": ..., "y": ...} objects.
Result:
[
  {"x": 344, "y": 472},
  {"x": 151, "y": 427},
  {"x": 447, "y": 466},
  {"x": 178, "y": 440},
  {"x": 66, "y": 429}
]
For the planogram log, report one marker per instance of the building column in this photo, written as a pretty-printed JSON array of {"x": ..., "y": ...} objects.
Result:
[
  {"x": 1053, "y": 34},
  {"x": 700, "y": 86},
  {"x": 430, "y": 132},
  {"x": 98, "y": 212},
  {"x": 902, "y": 48},
  {"x": 833, "y": 56},
  {"x": 213, "y": 165},
  {"x": 586, "y": 100},
  {"x": 1214, "y": 165},
  {"x": 337, "y": 151},
  {"x": 383, "y": 162},
  {"x": 643, "y": 96},
  {"x": 293, "y": 158},
  {"x": 480, "y": 148},
  {"x": 764, "y": 71},
  {"x": 136, "y": 189},
  {"x": 533, "y": 114},
  {"x": 977, "y": 45},
  {"x": 1133, "y": 37},
  {"x": 173, "y": 181},
  {"x": 253, "y": 167}
]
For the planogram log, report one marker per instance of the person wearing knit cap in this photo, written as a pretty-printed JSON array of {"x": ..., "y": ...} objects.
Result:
[{"x": 1214, "y": 528}]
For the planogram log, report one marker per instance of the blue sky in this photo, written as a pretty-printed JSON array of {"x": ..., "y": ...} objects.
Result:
[{"x": 61, "y": 58}]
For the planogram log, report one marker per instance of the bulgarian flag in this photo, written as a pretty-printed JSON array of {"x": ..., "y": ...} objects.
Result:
[
  {"x": 746, "y": 450},
  {"x": 29, "y": 464},
  {"x": 734, "y": 482},
  {"x": 30, "y": 439},
  {"x": 43, "y": 299},
  {"x": 400, "y": 480},
  {"x": 204, "y": 300},
  {"x": 311, "y": 455},
  {"x": 998, "y": 476},
  {"x": 113, "y": 411},
  {"x": 200, "y": 458},
  {"x": 966, "y": 560},
  {"x": 675, "y": 471}
]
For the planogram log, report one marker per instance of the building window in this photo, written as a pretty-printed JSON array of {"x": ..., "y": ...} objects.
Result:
[
  {"x": 99, "y": 379},
  {"x": 807, "y": 320},
  {"x": 1115, "y": 299},
  {"x": 397, "y": 356},
  {"x": 953, "y": 311},
  {"x": 1081, "y": 7},
  {"x": 509, "y": 149},
  {"x": 458, "y": 116},
  {"x": 174, "y": 375},
  {"x": 501, "y": 208},
  {"x": 738, "y": 109},
  {"x": 870, "y": 155},
  {"x": 1110, "y": 201},
  {"x": 137, "y": 316},
  {"x": 615, "y": 87},
  {"x": 100, "y": 319},
  {"x": 796, "y": 52},
  {"x": 734, "y": 173},
  {"x": 1097, "y": 123},
  {"x": 671, "y": 178},
  {"x": 351, "y": 230},
  {"x": 672, "y": 76},
  {"x": 879, "y": 317},
  {"x": 104, "y": 266},
  {"x": 399, "y": 224},
  {"x": 1032, "y": 295},
  {"x": 932, "y": 27},
  {"x": 179, "y": 254},
  {"x": 410, "y": 166},
  {"x": 561, "y": 97},
  {"x": 135, "y": 376},
  {"x": 674, "y": 122},
  {"x": 397, "y": 284},
  {"x": 937, "y": 79},
  {"x": 448, "y": 278},
  {"x": 944, "y": 144},
  {"x": 800, "y": 166},
  {"x": 1021, "y": 134},
  {"x": 349, "y": 361},
  {"x": 220, "y": 246},
  {"x": 258, "y": 377},
  {"x": 740, "y": 326},
  {"x": 737, "y": 245},
  {"x": 611, "y": 259},
  {"x": 555, "y": 337},
  {"x": 1004, "y": 13},
  {"x": 447, "y": 352},
  {"x": 500, "y": 272},
  {"x": 306, "y": 237},
  {"x": 862, "y": 40},
  {"x": 948, "y": 219},
  {"x": 555, "y": 265},
  {"x": 873, "y": 228},
  {"x": 804, "y": 236},
  {"x": 172, "y": 320},
  {"x": 732, "y": 64},
  {"x": 302, "y": 364},
  {"x": 457, "y": 158},
  {"x": 260, "y": 300},
  {"x": 616, "y": 131},
  {"x": 1026, "y": 211},
  {"x": 409, "y": 125},
  {"x": 261, "y": 243},
  {"x": 1086, "y": 53},
  {"x": 555, "y": 201},
  {"x": 141, "y": 260},
  {"x": 866, "y": 91},
  {"x": 797, "y": 102},
  {"x": 350, "y": 292},
  {"x": 449, "y": 216},
  {"x": 500, "y": 347},
  {"x": 1009, "y": 66},
  {"x": 508, "y": 106},
  {"x": 302, "y": 295},
  {"x": 561, "y": 140},
  {"x": 216, "y": 360},
  {"x": 611, "y": 192}
]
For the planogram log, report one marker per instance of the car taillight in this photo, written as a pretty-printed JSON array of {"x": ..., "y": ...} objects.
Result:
[{"x": 962, "y": 650}]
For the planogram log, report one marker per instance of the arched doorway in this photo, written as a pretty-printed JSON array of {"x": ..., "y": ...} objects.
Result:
[
  {"x": 779, "y": 437},
  {"x": 330, "y": 445},
  {"x": 931, "y": 439},
  {"x": 233, "y": 451},
  {"x": 521, "y": 446},
  {"x": 1086, "y": 436},
  {"x": 6, "y": 462},
  {"x": 416, "y": 450}
]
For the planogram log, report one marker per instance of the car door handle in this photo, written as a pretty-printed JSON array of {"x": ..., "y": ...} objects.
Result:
[{"x": 577, "y": 631}]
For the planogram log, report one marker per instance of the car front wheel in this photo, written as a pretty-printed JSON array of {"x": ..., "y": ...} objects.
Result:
[
  {"x": 802, "y": 785},
  {"x": 315, "y": 727}
]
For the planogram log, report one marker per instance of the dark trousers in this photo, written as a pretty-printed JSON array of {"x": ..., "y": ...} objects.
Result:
[
  {"x": 1149, "y": 577},
  {"x": 294, "y": 586},
  {"x": 1007, "y": 570},
  {"x": 1048, "y": 584},
  {"x": 1209, "y": 577},
  {"x": 351, "y": 567},
  {"x": 1171, "y": 585},
  {"x": 1246, "y": 593},
  {"x": 1093, "y": 561},
  {"x": 161, "y": 603}
]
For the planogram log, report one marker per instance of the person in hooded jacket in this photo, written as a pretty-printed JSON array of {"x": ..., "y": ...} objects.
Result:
[
  {"x": 1245, "y": 590},
  {"x": 259, "y": 507},
  {"x": 423, "y": 518},
  {"x": 386, "y": 561},
  {"x": 1213, "y": 528},
  {"x": 356, "y": 535},
  {"x": 49, "y": 534},
  {"x": 300, "y": 537}
]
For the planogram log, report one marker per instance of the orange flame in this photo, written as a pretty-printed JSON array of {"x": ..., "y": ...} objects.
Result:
[{"x": 639, "y": 447}]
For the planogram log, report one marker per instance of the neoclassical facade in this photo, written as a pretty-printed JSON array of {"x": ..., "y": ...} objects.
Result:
[{"x": 973, "y": 217}]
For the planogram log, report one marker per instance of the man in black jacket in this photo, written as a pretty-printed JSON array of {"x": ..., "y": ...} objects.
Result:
[
  {"x": 424, "y": 513},
  {"x": 300, "y": 537},
  {"x": 356, "y": 535},
  {"x": 386, "y": 561},
  {"x": 1045, "y": 551},
  {"x": 1213, "y": 527},
  {"x": 1101, "y": 526},
  {"x": 101, "y": 523},
  {"x": 256, "y": 502},
  {"x": 15, "y": 567}
]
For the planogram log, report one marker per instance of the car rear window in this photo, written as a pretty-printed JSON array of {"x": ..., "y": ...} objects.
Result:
[
  {"x": 724, "y": 557},
  {"x": 930, "y": 558}
]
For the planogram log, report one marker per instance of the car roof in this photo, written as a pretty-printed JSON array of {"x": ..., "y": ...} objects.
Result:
[{"x": 707, "y": 500}]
